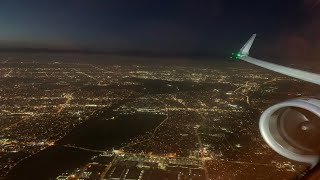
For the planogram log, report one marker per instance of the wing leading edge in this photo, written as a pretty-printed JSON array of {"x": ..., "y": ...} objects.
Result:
[{"x": 296, "y": 73}]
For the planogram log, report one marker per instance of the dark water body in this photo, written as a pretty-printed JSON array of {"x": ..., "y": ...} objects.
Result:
[
  {"x": 49, "y": 163},
  {"x": 99, "y": 132},
  {"x": 102, "y": 134}
]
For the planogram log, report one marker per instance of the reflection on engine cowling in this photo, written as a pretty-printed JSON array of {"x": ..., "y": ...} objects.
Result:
[{"x": 296, "y": 129}]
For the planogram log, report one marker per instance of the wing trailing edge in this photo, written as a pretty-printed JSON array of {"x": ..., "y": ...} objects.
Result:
[{"x": 296, "y": 73}]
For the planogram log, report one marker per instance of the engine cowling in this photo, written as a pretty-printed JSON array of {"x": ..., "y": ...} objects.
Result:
[{"x": 292, "y": 129}]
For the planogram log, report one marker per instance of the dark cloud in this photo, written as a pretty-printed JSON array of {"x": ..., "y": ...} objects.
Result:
[{"x": 303, "y": 41}]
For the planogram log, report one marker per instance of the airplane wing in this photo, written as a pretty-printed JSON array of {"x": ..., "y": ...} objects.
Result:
[
  {"x": 296, "y": 73},
  {"x": 294, "y": 113}
]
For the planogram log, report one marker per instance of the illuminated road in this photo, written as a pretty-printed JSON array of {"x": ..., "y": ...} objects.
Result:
[
  {"x": 107, "y": 168},
  {"x": 5, "y": 61},
  {"x": 201, "y": 147},
  {"x": 247, "y": 163},
  {"x": 154, "y": 131},
  {"x": 62, "y": 106},
  {"x": 8, "y": 74},
  {"x": 16, "y": 123},
  {"x": 166, "y": 110},
  {"x": 87, "y": 75}
]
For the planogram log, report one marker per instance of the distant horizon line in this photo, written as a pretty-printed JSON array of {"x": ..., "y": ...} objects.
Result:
[
  {"x": 130, "y": 53},
  {"x": 125, "y": 52}
]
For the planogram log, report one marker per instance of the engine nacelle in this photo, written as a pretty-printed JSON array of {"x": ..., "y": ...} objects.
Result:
[{"x": 292, "y": 129}]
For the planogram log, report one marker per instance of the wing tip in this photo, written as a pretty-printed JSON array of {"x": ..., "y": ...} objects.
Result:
[{"x": 246, "y": 48}]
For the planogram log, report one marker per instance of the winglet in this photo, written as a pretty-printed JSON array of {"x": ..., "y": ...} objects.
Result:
[{"x": 244, "y": 51}]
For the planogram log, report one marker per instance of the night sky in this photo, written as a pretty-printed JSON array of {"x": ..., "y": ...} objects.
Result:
[{"x": 284, "y": 27}]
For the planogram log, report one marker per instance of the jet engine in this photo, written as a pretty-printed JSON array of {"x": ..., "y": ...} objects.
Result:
[{"x": 292, "y": 129}]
